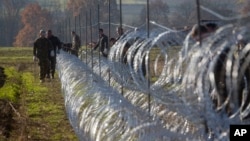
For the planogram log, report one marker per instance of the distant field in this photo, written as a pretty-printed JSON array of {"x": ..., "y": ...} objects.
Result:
[
  {"x": 16, "y": 52},
  {"x": 13, "y": 56},
  {"x": 132, "y": 1}
]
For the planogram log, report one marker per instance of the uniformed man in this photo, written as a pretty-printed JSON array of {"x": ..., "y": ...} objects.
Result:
[
  {"x": 76, "y": 43},
  {"x": 102, "y": 43},
  {"x": 56, "y": 46},
  {"x": 41, "y": 50}
]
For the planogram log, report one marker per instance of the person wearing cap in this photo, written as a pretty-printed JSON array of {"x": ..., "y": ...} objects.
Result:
[
  {"x": 102, "y": 43},
  {"x": 76, "y": 43},
  {"x": 56, "y": 46},
  {"x": 41, "y": 50}
]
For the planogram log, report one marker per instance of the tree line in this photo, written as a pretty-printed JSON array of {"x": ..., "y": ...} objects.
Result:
[{"x": 20, "y": 20}]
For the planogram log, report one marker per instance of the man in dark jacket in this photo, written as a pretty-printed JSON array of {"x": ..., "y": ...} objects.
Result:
[
  {"x": 56, "y": 46},
  {"x": 102, "y": 43},
  {"x": 41, "y": 50},
  {"x": 76, "y": 43}
]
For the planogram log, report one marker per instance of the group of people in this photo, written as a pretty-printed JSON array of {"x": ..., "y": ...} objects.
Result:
[
  {"x": 47, "y": 46},
  {"x": 103, "y": 42},
  {"x": 45, "y": 49}
]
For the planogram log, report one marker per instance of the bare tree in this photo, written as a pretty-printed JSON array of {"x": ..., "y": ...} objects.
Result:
[
  {"x": 159, "y": 11},
  {"x": 186, "y": 13},
  {"x": 245, "y": 9},
  {"x": 227, "y": 8},
  {"x": 183, "y": 15},
  {"x": 9, "y": 20},
  {"x": 77, "y": 7},
  {"x": 81, "y": 6}
]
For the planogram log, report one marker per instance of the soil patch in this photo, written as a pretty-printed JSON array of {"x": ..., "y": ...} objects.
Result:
[
  {"x": 2, "y": 77},
  {"x": 6, "y": 116}
]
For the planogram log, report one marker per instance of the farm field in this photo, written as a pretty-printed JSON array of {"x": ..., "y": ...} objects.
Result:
[{"x": 35, "y": 111}]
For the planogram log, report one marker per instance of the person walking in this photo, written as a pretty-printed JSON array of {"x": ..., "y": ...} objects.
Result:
[
  {"x": 41, "y": 50},
  {"x": 102, "y": 43},
  {"x": 76, "y": 43},
  {"x": 120, "y": 32},
  {"x": 56, "y": 46}
]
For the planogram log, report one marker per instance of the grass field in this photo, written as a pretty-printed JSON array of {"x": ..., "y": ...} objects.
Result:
[{"x": 38, "y": 112}]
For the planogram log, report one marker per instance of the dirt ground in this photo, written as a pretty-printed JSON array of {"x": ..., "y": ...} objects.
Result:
[
  {"x": 6, "y": 119},
  {"x": 5, "y": 111}
]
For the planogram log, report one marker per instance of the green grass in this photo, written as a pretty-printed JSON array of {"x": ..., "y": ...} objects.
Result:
[
  {"x": 41, "y": 106},
  {"x": 12, "y": 87},
  {"x": 13, "y": 52}
]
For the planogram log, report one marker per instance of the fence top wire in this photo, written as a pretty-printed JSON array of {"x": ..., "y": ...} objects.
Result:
[
  {"x": 125, "y": 25},
  {"x": 223, "y": 17}
]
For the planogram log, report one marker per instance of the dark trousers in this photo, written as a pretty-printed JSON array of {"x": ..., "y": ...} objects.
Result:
[
  {"x": 52, "y": 67},
  {"x": 74, "y": 52},
  {"x": 44, "y": 67}
]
